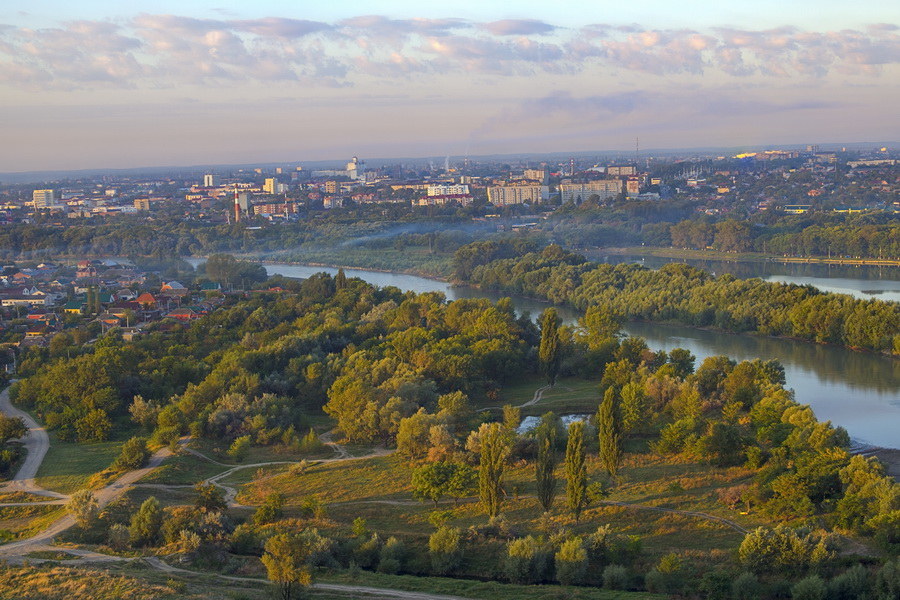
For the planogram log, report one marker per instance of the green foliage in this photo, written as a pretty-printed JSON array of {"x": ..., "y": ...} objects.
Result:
[
  {"x": 393, "y": 556},
  {"x": 690, "y": 296},
  {"x": 436, "y": 480},
  {"x": 133, "y": 455},
  {"x": 782, "y": 550},
  {"x": 285, "y": 559},
  {"x": 852, "y": 584},
  {"x": 809, "y": 588},
  {"x": 270, "y": 510},
  {"x": 571, "y": 562},
  {"x": 549, "y": 350},
  {"x": 83, "y": 507},
  {"x": 210, "y": 498},
  {"x": 527, "y": 560},
  {"x": 577, "y": 497},
  {"x": 609, "y": 426},
  {"x": 545, "y": 466},
  {"x": 239, "y": 448},
  {"x": 615, "y": 577},
  {"x": 145, "y": 525},
  {"x": 445, "y": 550},
  {"x": 494, "y": 452},
  {"x": 887, "y": 581}
]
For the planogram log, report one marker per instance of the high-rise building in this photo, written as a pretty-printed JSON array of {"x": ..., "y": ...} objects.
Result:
[
  {"x": 43, "y": 199},
  {"x": 448, "y": 189},
  {"x": 505, "y": 195},
  {"x": 541, "y": 175},
  {"x": 210, "y": 180},
  {"x": 579, "y": 192}
]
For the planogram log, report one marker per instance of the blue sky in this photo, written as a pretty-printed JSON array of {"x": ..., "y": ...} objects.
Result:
[{"x": 118, "y": 84}]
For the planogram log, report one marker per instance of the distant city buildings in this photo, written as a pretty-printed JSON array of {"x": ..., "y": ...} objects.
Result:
[
  {"x": 44, "y": 199},
  {"x": 577, "y": 193},
  {"x": 507, "y": 195}
]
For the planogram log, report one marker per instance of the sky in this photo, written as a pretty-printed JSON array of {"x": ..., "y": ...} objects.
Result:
[{"x": 101, "y": 84}]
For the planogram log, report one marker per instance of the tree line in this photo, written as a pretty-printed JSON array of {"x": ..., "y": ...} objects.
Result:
[{"x": 683, "y": 294}]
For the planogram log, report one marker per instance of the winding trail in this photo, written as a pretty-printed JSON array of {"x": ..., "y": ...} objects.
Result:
[
  {"x": 538, "y": 396},
  {"x": 36, "y": 443}
]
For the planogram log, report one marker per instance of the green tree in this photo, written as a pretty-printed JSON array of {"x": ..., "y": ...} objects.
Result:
[
  {"x": 609, "y": 424},
  {"x": 549, "y": 349},
  {"x": 145, "y": 524},
  {"x": 340, "y": 280},
  {"x": 445, "y": 550},
  {"x": 239, "y": 448},
  {"x": 634, "y": 406},
  {"x": 577, "y": 497},
  {"x": 270, "y": 510},
  {"x": 94, "y": 426},
  {"x": 545, "y": 466},
  {"x": 571, "y": 562},
  {"x": 210, "y": 498},
  {"x": 285, "y": 559},
  {"x": 133, "y": 455},
  {"x": 492, "y": 464},
  {"x": 83, "y": 507}
]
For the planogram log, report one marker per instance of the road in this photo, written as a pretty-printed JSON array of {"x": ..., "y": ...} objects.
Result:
[{"x": 36, "y": 443}]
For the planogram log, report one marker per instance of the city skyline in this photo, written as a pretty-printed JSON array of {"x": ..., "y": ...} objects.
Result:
[{"x": 104, "y": 85}]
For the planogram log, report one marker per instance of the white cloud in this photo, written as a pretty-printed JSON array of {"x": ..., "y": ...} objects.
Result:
[{"x": 153, "y": 51}]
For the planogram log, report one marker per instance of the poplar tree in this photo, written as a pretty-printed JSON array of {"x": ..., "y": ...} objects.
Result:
[
  {"x": 548, "y": 352},
  {"x": 609, "y": 424},
  {"x": 340, "y": 280},
  {"x": 576, "y": 471},
  {"x": 546, "y": 462},
  {"x": 494, "y": 450}
]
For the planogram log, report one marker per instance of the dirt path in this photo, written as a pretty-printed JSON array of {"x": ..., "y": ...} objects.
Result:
[
  {"x": 328, "y": 440},
  {"x": 104, "y": 496},
  {"x": 538, "y": 396},
  {"x": 36, "y": 443}
]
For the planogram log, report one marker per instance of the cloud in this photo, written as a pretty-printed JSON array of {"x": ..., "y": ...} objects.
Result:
[
  {"x": 518, "y": 27},
  {"x": 163, "y": 50}
]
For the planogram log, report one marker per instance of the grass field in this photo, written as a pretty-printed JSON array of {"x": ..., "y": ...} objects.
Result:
[
  {"x": 68, "y": 466},
  {"x": 23, "y": 521},
  {"x": 569, "y": 395}
]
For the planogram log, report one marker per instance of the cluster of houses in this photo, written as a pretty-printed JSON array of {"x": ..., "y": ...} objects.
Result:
[{"x": 50, "y": 297}]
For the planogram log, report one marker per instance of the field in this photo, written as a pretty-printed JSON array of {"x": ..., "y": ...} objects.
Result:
[{"x": 68, "y": 466}]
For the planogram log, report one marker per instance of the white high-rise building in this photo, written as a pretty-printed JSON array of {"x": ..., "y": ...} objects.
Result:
[{"x": 44, "y": 198}]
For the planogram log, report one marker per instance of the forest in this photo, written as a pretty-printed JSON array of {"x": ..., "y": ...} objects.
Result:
[
  {"x": 683, "y": 294},
  {"x": 423, "y": 379}
]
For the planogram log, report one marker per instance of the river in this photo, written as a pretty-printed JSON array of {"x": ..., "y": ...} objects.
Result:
[
  {"x": 858, "y": 391},
  {"x": 861, "y": 281}
]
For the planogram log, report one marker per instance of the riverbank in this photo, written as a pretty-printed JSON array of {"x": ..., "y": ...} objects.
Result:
[{"x": 751, "y": 257}]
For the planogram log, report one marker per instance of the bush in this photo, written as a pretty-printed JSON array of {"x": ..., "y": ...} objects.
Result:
[
  {"x": 393, "y": 555},
  {"x": 887, "y": 581},
  {"x": 809, "y": 588},
  {"x": 852, "y": 584},
  {"x": 746, "y": 587},
  {"x": 571, "y": 562},
  {"x": 527, "y": 560},
  {"x": 615, "y": 577},
  {"x": 239, "y": 448},
  {"x": 445, "y": 551},
  {"x": 133, "y": 455},
  {"x": 367, "y": 553}
]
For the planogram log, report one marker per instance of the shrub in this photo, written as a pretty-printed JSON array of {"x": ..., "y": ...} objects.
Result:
[
  {"x": 746, "y": 587},
  {"x": 571, "y": 562},
  {"x": 852, "y": 584},
  {"x": 615, "y": 577},
  {"x": 239, "y": 448},
  {"x": 809, "y": 588},
  {"x": 444, "y": 548},
  {"x": 393, "y": 555},
  {"x": 527, "y": 560},
  {"x": 133, "y": 455}
]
